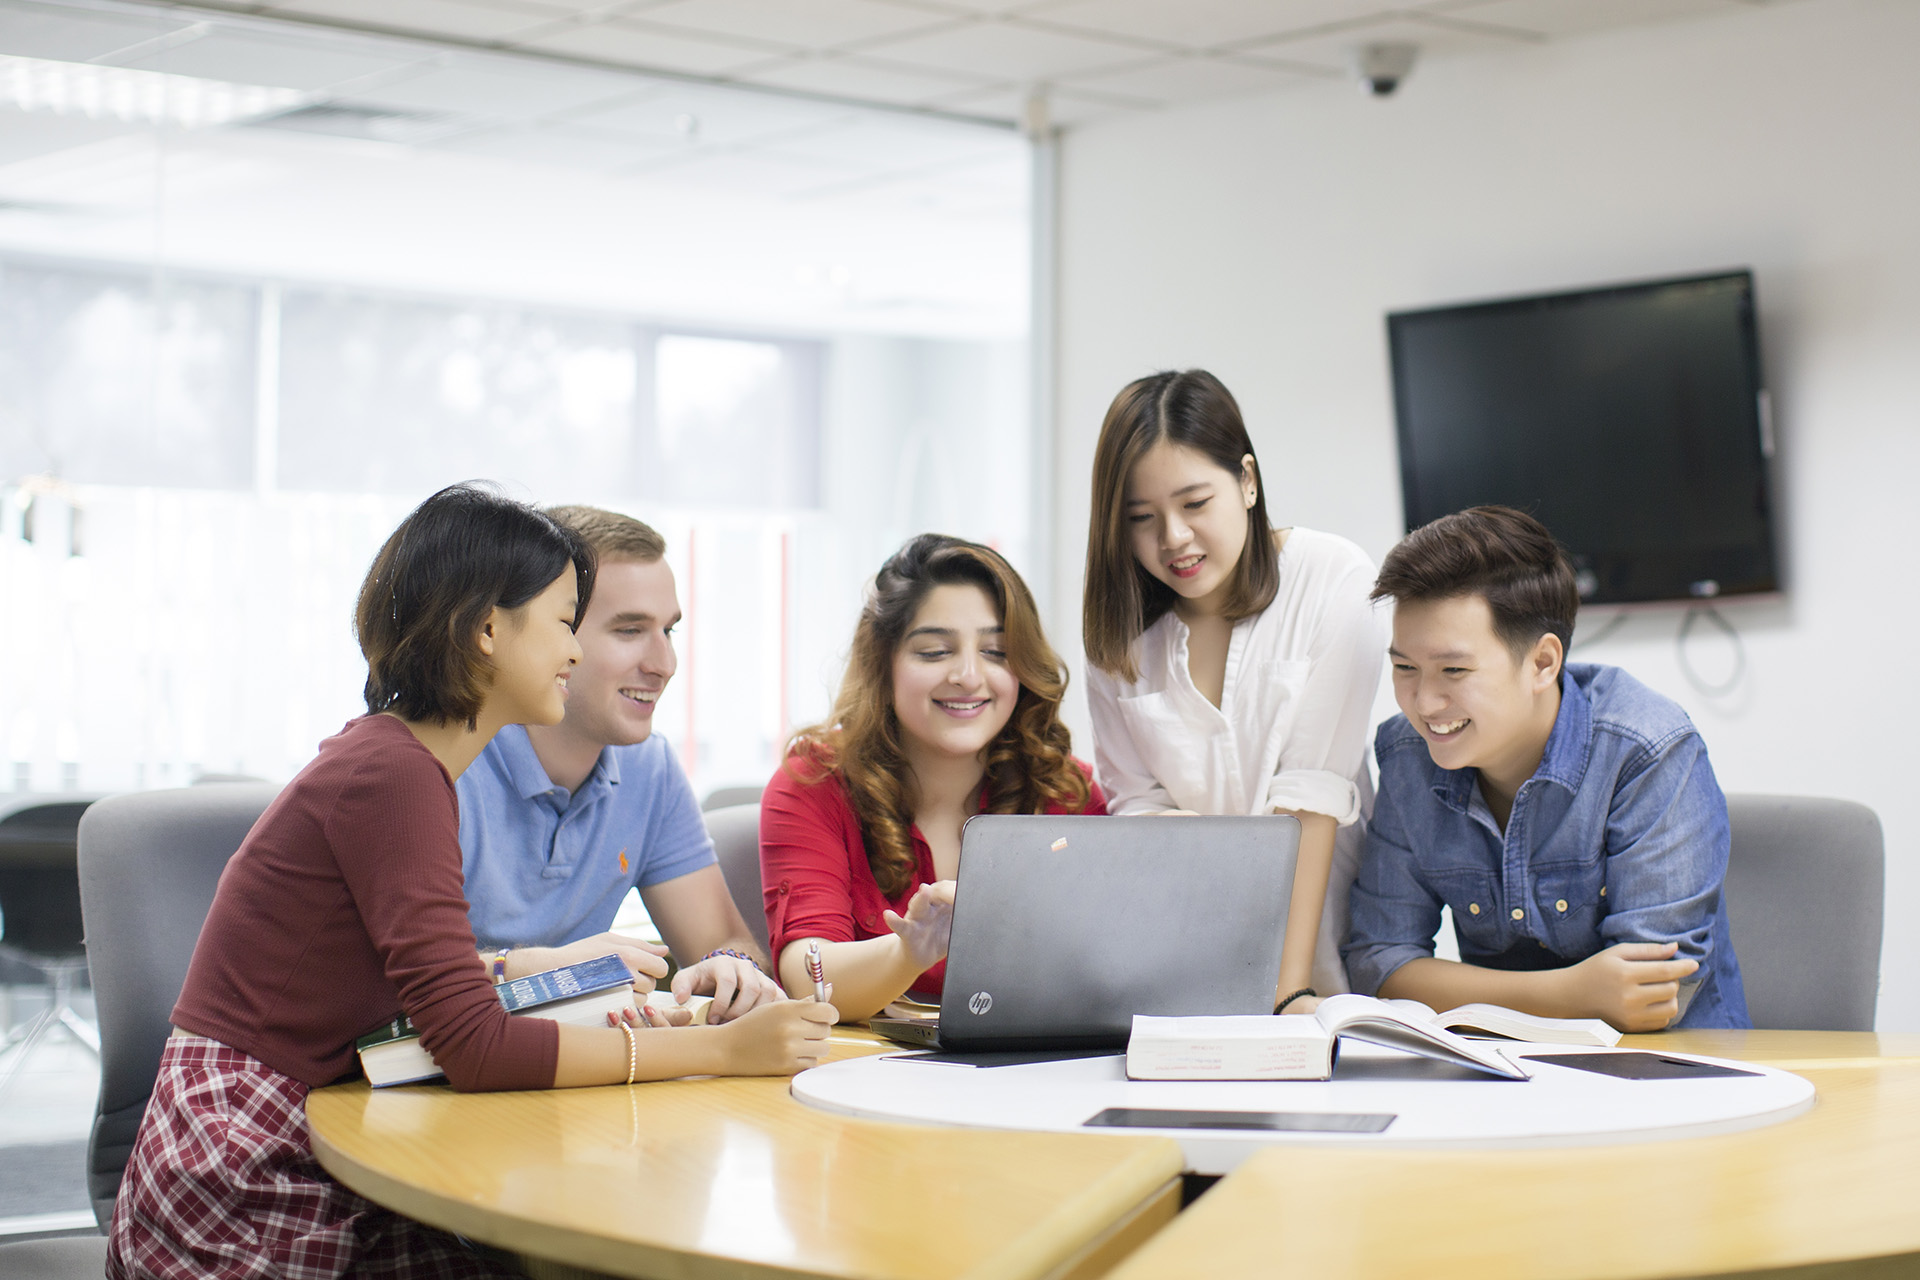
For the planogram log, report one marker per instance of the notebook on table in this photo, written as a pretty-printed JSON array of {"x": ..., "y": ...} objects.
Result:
[{"x": 1065, "y": 927}]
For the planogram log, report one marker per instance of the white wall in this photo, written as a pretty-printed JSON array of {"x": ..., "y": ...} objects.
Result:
[{"x": 1265, "y": 238}]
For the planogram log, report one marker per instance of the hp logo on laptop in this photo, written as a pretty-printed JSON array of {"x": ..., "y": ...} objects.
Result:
[{"x": 979, "y": 1002}]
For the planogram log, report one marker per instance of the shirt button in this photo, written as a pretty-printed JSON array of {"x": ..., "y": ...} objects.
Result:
[
  {"x": 1561, "y": 905},
  {"x": 1518, "y": 914},
  {"x": 1603, "y": 891},
  {"x": 1474, "y": 907}
]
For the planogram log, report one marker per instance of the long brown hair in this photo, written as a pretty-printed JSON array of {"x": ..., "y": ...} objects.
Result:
[
  {"x": 1029, "y": 764},
  {"x": 1191, "y": 408}
]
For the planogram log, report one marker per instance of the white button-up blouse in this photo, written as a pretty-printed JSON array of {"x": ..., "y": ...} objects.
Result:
[{"x": 1292, "y": 726}]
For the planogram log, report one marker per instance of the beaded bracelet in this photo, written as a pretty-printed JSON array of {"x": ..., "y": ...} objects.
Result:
[
  {"x": 1304, "y": 991},
  {"x": 633, "y": 1051},
  {"x": 500, "y": 965},
  {"x": 729, "y": 951}
]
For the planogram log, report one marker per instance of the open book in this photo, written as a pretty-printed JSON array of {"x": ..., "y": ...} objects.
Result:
[
  {"x": 1295, "y": 1046},
  {"x": 1511, "y": 1024}
]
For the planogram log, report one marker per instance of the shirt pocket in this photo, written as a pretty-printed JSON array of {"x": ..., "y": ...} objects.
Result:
[
  {"x": 1173, "y": 751},
  {"x": 1473, "y": 895},
  {"x": 1568, "y": 899}
]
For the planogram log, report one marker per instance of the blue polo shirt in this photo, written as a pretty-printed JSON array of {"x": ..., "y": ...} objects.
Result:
[{"x": 546, "y": 867}]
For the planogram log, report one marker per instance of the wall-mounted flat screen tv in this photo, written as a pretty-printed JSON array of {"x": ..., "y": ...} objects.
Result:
[{"x": 1631, "y": 420}]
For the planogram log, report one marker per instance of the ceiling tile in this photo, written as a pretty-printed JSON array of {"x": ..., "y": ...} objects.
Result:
[
  {"x": 868, "y": 79},
  {"x": 559, "y": 146},
  {"x": 1065, "y": 105},
  {"x": 74, "y": 37},
  {"x": 498, "y": 87},
  {"x": 1330, "y": 48},
  {"x": 755, "y": 171},
  {"x": 711, "y": 115},
  {"x": 876, "y": 141},
  {"x": 430, "y": 17},
  {"x": 1201, "y": 24},
  {"x": 244, "y": 57},
  {"x": 1576, "y": 17},
  {"x": 809, "y": 24},
  {"x": 975, "y": 7},
  {"x": 637, "y": 46},
  {"x": 1005, "y": 51},
  {"x": 1189, "y": 78}
]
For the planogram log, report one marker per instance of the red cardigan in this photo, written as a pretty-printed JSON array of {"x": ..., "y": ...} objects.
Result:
[
  {"x": 813, "y": 864},
  {"x": 343, "y": 908}
]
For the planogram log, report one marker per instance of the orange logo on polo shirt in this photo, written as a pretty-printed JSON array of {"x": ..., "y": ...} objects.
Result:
[{"x": 623, "y": 861}]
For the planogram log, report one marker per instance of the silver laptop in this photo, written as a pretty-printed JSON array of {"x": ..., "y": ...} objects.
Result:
[{"x": 1065, "y": 927}]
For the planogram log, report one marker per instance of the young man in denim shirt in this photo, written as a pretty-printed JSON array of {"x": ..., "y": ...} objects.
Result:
[{"x": 1566, "y": 813}]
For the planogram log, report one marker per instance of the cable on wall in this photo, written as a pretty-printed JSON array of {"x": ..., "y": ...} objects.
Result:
[
  {"x": 1607, "y": 628},
  {"x": 1713, "y": 615}
]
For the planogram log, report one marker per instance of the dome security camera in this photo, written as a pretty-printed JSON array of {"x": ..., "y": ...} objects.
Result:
[{"x": 1381, "y": 67}]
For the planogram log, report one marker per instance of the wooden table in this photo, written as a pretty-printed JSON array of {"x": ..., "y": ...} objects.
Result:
[
  {"x": 1833, "y": 1192},
  {"x": 692, "y": 1179}
]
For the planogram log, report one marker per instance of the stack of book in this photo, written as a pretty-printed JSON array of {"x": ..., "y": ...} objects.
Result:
[{"x": 581, "y": 993}]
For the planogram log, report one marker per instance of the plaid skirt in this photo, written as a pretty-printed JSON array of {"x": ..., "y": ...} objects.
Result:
[{"x": 223, "y": 1183}]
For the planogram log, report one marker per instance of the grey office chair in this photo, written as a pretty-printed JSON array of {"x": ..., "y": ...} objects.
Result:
[
  {"x": 728, "y": 797},
  {"x": 149, "y": 863},
  {"x": 1805, "y": 883},
  {"x": 736, "y": 843}
]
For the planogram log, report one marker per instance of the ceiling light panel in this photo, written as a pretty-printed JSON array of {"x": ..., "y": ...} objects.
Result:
[{"x": 134, "y": 96}]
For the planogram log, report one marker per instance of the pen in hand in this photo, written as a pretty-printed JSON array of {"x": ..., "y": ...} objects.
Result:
[{"x": 817, "y": 970}]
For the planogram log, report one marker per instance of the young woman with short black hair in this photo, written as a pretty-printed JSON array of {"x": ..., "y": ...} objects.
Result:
[{"x": 343, "y": 909}]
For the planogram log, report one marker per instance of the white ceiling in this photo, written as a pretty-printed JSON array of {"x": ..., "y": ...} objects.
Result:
[
  {"x": 877, "y": 185},
  {"x": 1092, "y": 57}
]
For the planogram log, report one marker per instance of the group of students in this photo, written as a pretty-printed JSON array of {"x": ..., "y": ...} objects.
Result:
[{"x": 503, "y": 793}]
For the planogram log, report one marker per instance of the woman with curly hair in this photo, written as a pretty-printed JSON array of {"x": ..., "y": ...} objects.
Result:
[{"x": 950, "y": 707}]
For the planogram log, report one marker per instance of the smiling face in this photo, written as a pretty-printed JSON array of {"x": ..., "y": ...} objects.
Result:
[
  {"x": 627, "y": 654},
  {"x": 1460, "y": 686},
  {"x": 534, "y": 651},
  {"x": 1188, "y": 518},
  {"x": 952, "y": 689}
]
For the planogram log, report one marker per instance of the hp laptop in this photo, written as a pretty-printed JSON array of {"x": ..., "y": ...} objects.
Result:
[{"x": 1065, "y": 927}]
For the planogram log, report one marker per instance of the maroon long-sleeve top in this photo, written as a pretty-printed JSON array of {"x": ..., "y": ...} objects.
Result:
[{"x": 343, "y": 909}]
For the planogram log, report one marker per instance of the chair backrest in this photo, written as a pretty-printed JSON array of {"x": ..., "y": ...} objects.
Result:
[
  {"x": 736, "y": 843},
  {"x": 149, "y": 863},
  {"x": 1805, "y": 883}
]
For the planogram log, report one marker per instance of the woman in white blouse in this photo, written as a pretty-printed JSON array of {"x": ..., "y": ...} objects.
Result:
[{"x": 1231, "y": 666}]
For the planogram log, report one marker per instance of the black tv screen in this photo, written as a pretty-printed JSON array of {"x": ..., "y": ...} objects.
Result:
[{"x": 1630, "y": 420}]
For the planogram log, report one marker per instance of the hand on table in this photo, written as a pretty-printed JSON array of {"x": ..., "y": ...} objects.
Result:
[
  {"x": 736, "y": 986},
  {"x": 779, "y": 1039},
  {"x": 928, "y": 924},
  {"x": 1635, "y": 986}
]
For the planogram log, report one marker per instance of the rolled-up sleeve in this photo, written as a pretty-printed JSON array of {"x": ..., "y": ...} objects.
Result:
[
  {"x": 1667, "y": 841},
  {"x": 1395, "y": 916},
  {"x": 1326, "y": 747}
]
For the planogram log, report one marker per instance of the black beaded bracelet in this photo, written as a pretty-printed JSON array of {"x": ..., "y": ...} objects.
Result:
[
  {"x": 737, "y": 955},
  {"x": 1304, "y": 991}
]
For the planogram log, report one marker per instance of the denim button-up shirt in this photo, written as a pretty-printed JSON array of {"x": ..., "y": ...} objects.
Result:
[{"x": 1619, "y": 836}]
